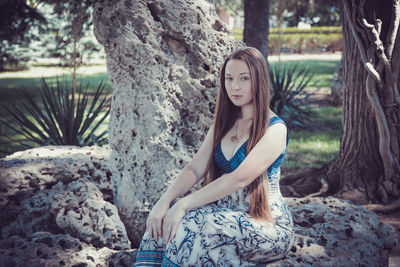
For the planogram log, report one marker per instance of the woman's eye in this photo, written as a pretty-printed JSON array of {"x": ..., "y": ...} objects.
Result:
[
  {"x": 245, "y": 78},
  {"x": 228, "y": 78}
]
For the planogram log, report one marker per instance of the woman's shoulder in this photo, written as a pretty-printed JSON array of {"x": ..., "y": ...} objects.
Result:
[{"x": 273, "y": 118}]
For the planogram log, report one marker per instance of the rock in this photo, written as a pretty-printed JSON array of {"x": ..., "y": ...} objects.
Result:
[
  {"x": 122, "y": 258},
  {"x": 47, "y": 249},
  {"x": 26, "y": 172},
  {"x": 163, "y": 59},
  {"x": 71, "y": 224},
  {"x": 77, "y": 209},
  {"x": 333, "y": 232}
]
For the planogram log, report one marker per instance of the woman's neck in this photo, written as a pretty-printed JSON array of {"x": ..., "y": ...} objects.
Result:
[{"x": 246, "y": 112}]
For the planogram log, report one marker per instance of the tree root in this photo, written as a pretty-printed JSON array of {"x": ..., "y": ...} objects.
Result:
[
  {"x": 307, "y": 182},
  {"x": 389, "y": 208}
]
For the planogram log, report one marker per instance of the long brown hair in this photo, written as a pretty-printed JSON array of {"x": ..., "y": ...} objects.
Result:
[{"x": 226, "y": 113}]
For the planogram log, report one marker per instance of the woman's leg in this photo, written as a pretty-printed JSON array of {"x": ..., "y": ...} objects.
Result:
[{"x": 214, "y": 236}]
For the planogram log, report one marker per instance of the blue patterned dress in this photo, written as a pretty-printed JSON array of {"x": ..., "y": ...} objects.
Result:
[{"x": 223, "y": 233}]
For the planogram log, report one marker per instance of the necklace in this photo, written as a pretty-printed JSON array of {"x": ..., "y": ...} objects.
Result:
[{"x": 234, "y": 138}]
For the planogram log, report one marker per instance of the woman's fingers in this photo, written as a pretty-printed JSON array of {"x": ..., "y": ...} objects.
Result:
[
  {"x": 149, "y": 229},
  {"x": 154, "y": 227},
  {"x": 165, "y": 232},
  {"x": 155, "y": 234},
  {"x": 159, "y": 228}
]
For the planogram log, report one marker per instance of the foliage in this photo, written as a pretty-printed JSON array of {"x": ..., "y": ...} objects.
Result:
[
  {"x": 288, "y": 97},
  {"x": 17, "y": 17},
  {"x": 233, "y": 7},
  {"x": 299, "y": 43},
  {"x": 294, "y": 40},
  {"x": 312, "y": 30},
  {"x": 315, "y": 12},
  {"x": 44, "y": 29},
  {"x": 72, "y": 31},
  {"x": 56, "y": 117}
]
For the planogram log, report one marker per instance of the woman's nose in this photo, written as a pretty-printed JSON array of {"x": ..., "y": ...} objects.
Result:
[{"x": 235, "y": 85}]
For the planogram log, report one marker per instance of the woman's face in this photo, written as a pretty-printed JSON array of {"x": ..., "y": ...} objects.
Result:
[{"x": 238, "y": 83}]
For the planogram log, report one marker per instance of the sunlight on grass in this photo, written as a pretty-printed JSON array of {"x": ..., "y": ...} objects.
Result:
[
  {"x": 312, "y": 148},
  {"x": 9, "y": 86},
  {"x": 322, "y": 70}
]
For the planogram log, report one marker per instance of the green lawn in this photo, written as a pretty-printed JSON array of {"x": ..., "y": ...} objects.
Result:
[
  {"x": 322, "y": 70},
  {"x": 312, "y": 148},
  {"x": 9, "y": 86}
]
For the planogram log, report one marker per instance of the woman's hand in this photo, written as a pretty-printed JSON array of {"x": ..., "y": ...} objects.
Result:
[
  {"x": 155, "y": 219},
  {"x": 172, "y": 221}
]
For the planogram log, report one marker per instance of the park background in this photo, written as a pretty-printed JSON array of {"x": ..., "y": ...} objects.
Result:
[{"x": 54, "y": 40}]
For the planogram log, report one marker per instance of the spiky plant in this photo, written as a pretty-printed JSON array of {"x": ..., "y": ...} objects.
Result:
[
  {"x": 288, "y": 98},
  {"x": 59, "y": 116}
]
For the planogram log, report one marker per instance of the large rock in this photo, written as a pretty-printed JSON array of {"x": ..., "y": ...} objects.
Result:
[
  {"x": 24, "y": 173},
  {"x": 47, "y": 249},
  {"x": 77, "y": 209},
  {"x": 163, "y": 59},
  {"x": 333, "y": 232},
  {"x": 70, "y": 224}
]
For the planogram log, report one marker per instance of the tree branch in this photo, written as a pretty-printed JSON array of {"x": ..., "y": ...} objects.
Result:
[
  {"x": 375, "y": 32},
  {"x": 383, "y": 128},
  {"x": 393, "y": 30},
  {"x": 367, "y": 64}
]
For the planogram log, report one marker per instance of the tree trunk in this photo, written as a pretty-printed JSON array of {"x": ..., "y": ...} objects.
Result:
[
  {"x": 256, "y": 24},
  {"x": 366, "y": 169}
]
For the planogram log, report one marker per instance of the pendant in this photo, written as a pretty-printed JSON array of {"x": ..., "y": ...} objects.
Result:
[{"x": 234, "y": 138}]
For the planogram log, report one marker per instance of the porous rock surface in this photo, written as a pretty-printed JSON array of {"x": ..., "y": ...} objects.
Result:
[
  {"x": 334, "y": 232},
  {"x": 68, "y": 224},
  {"x": 62, "y": 191},
  {"x": 163, "y": 59},
  {"x": 25, "y": 172},
  {"x": 48, "y": 249},
  {"x": 77, "y": 209}
]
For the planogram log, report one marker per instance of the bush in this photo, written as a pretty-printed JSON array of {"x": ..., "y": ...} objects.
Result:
[
  {"x": 57, "y": 116},
  {"x": 295, "y": 40},
  {"x": 288, "y": 98}
]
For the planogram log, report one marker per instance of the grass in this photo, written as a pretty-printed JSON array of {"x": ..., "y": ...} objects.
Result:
[
  {"x": 322, "y": 70},
  {"x": 9, "y": 86},
  {"x": 312, "y": 148}
]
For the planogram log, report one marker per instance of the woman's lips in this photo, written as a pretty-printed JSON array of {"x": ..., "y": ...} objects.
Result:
[{"x": 236, "y": 96}]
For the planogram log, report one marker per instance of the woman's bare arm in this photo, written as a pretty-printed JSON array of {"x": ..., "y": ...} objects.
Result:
[
  {"x": 267, "y": 150},
  {"x": 186, "y": 179}
]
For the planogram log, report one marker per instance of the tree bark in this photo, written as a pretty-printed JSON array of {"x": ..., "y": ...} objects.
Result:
[
  {"x": 256, "y": 24},
  {"x": 366, "y": 170}
]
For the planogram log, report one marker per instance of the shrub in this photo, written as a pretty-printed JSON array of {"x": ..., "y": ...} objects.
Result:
[
  {"x": 58, "y": 116},
  {"x": 295, "y": 40},
  {"x": 288, "y": 98}
]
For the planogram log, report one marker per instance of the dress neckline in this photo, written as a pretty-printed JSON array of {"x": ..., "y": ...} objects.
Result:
[
  {"x": 233, "y": 156},
  {"x": 245, "y": 143}
]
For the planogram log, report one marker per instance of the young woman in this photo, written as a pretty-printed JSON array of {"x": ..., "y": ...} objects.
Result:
[{"x": 238, "y": 218}]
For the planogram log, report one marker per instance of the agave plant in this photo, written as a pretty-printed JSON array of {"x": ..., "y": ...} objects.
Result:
[
  {"x": 58, "y": 116},
  {"x": 288, "y": 98}
]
